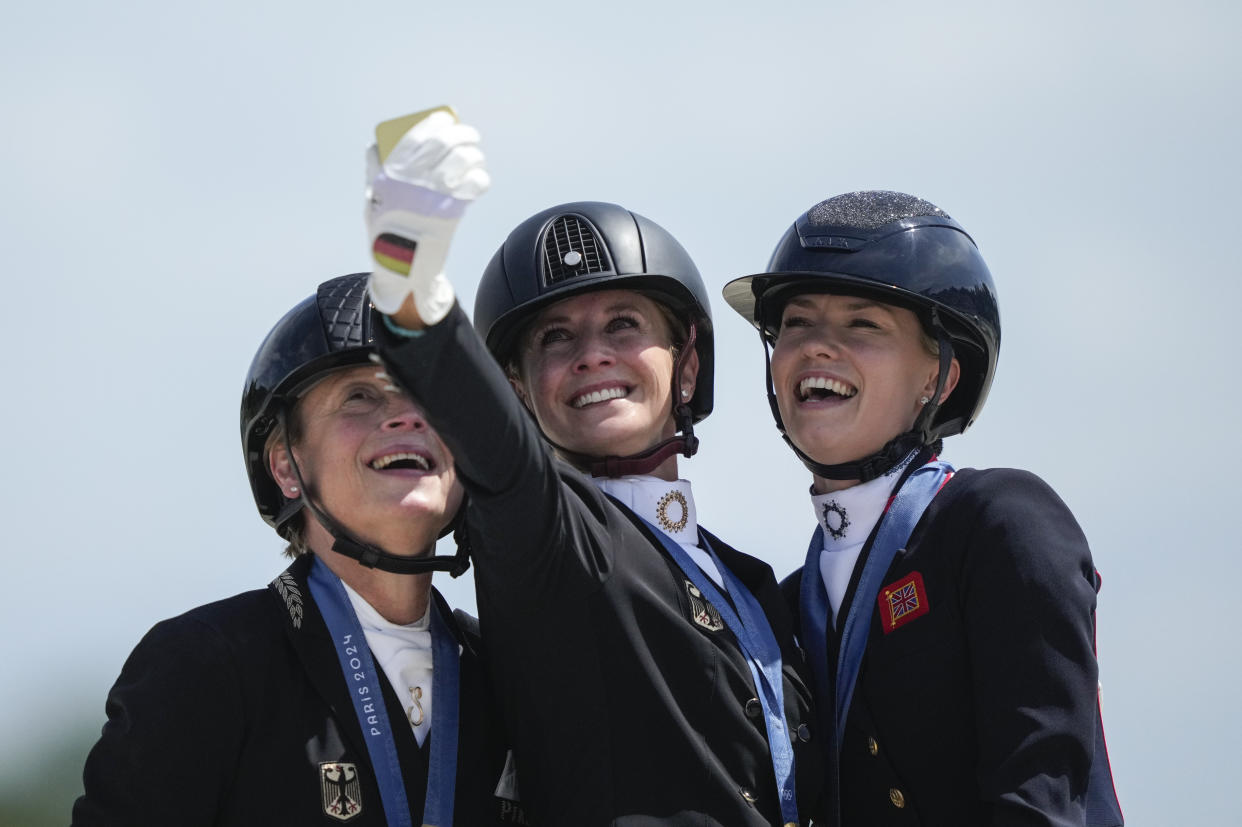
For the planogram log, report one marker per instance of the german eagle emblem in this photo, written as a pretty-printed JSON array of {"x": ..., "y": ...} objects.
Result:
[{"x": 341, "y": 791}]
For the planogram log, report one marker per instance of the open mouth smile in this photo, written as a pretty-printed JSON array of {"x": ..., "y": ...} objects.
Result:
[
  {"x": 403, "y": 461},
  {"x": 819, "y": 388},
  {"x": 602, "y": 395}
]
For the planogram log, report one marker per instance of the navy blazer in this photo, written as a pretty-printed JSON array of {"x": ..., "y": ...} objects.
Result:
[{"x": 977, "y": 705}]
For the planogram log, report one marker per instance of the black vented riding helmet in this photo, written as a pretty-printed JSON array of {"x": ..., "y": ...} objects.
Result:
[
  {"x": 583, "y": 246},
  {"x": 329, "y": 330},
  {"x": 900, "y": 250}
]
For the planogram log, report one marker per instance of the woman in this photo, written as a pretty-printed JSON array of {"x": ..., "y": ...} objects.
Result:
[
  {"x": 956, "y": 654},
  {"x": 316, "y": 700},
  {"x": 640, "y": 679}
]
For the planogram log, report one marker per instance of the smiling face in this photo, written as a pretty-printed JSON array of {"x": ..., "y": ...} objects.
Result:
[
  {"x": 849, "y": 373},
  {"x": 372, "y": 461},
  {"x": 596, "y": 370}
]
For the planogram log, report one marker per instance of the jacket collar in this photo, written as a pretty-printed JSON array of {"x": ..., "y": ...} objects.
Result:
[{"x": 308, "y": 635}]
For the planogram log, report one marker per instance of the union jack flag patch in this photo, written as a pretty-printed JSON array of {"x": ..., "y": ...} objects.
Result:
[{"x": 903, "y": 601}]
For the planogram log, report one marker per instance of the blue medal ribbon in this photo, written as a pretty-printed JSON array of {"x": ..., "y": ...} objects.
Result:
[
  {"x": 363, "y": 679},
  {"x": 896, "y": 526},
  {"x": 813, "y": 608},
  {"x": 763, "y": 654},
  {"x": 445, "y": 681}
]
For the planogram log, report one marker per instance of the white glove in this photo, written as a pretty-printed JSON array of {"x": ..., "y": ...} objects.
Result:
[{"x": 415, "y": 197}]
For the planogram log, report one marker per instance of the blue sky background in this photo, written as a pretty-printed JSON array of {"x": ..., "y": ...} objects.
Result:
[{"x": 174, "y": 177}]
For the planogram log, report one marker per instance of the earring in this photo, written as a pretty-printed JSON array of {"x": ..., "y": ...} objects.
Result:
[
  {"x": 923, "y": 400},
  {"x": 685, "y": 394},
  {"x": 293, "y": 489}
]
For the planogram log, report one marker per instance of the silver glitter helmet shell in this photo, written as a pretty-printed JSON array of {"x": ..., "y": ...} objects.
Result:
[
  {"x": 897, "y": 249},
  {"x": 584, "y": 246}
]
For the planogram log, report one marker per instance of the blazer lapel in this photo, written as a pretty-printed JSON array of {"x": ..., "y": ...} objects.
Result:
[
  {"x": 757, "y": 576},
  {"x": 308, "y": 634}
]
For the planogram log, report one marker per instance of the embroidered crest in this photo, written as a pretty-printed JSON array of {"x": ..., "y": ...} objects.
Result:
[
  {"x": 842, "y": 522},
  {"x": 341, "y": 790},
  {"x": 287, "y": 588},
  {"x": 701, "y": 611},
  {"x": 662, "y": 511},
  {"x": 903, "y": 601}
]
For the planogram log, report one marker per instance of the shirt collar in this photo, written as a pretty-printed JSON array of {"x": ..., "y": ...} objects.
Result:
[
  {"x": 848, "y": 516},
  {"x": 667, "y": 505},
  {"x": 372, "y": 621}
]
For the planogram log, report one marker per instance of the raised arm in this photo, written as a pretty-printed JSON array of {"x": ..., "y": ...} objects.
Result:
[
  {"x": 422, "y": 173},
  {"x": 524, "y": 505}
]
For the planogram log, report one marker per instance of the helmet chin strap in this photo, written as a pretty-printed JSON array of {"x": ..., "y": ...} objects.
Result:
[
  {"x": 895, "y": 450},
  {"x": 372, "y": 556},
  {"x": 684, "y": 443}
]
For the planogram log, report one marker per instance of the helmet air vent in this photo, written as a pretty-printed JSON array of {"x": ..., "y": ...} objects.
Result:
[{"x": 571, "y": 248}]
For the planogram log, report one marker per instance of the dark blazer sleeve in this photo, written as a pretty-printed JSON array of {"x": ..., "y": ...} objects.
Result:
[
  {"x": 1028, "y": 599},
  {"x": 174, "y": 731},
  {"x": 541, "y": 525}
]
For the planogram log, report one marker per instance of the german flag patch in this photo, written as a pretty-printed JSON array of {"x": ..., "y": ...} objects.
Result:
[
  {"x": 902, "y": 601},
  {"x": 394, "y": 253}
]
